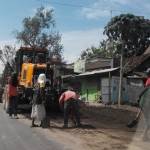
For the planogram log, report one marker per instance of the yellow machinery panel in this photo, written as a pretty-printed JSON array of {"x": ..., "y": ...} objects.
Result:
[{"x": 27, "y": 75}]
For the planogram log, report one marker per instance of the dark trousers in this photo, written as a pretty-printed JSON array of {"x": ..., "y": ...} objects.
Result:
[
  {"x": 71, "y": 107},
  {"x": 13, "y": 106}
]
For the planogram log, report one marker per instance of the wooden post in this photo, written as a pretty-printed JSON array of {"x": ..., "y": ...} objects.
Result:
[
  {"x": 109, "y": 88},
  {"x": 121, "y": 78},
  {"x": 87, "y": 95}
]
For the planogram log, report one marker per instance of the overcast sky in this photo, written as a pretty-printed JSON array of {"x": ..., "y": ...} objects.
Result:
[{"x": 80, "y": 22}]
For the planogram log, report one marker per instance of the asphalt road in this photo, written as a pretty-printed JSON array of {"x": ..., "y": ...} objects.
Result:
[{"x": 15, "y": 135}]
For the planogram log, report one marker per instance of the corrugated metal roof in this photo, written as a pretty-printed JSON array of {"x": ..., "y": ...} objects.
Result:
[
  {"x": 97, "y": 72},
  {"x": 67, "y": 76}
]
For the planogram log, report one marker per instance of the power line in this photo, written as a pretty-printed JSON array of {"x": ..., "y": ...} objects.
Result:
[
  {"x": 77, "y": 6},
  {"x": 81, "y": 6},
  {"x": 62, "y": 4}
]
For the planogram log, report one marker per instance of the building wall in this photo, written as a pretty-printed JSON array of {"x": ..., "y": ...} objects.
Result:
[
  {"x": 90, "y": 89},
  {"x": 134, "y": 89},
  {"x": 115, "y": 90},
  {"x": 79, "y": 66},
  {"x": 130, "y": 91}
]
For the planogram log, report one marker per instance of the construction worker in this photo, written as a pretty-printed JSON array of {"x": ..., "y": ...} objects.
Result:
[
  {"x": 38, "y": 109},
  {"x": 68, "y": 100}
]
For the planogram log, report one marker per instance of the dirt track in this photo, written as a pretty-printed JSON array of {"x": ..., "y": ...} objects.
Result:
[{"x": 104, "y": 129}]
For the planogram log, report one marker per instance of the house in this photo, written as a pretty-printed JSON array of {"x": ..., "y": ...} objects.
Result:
[
  {"x": 88, "y": 81},
  {"x": 99, "y": 78},
  {"x": 96, "y": 85}
]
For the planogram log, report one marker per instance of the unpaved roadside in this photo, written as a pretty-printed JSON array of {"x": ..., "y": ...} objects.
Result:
[{"x": 104, "y": 129}]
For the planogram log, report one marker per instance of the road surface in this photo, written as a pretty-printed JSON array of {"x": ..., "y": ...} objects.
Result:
[{"x": 15, "y": 135}]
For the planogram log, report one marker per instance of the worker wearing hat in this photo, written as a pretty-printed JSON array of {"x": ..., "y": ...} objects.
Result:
[{"x": 38, "y": 109}]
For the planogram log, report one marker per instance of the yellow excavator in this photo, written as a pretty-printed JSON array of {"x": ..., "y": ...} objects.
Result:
[{"x": 30, "y": 62}]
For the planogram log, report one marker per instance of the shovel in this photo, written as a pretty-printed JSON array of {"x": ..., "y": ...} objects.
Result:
[{"x": 134, "y": 122}]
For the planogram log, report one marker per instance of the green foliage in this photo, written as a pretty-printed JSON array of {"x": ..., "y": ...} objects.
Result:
[
  {"x": 7, "y": 55},
  {"x": 39, "y": 31},
  {"x": 106, "y": 49},
  {"x": 133, "y": 32}
]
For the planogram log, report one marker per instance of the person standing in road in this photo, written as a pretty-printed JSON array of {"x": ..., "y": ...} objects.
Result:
[
  {"x": 12, "y": 95},
  {"x": 38, "y": 109},
  {"x": 68, "y": 99},
  {"x": 5, "y": 97}
]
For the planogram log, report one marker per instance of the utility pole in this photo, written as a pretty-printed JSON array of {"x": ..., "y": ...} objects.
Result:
[
  {"x": 121, "y": 76},
  {"x": 121, "y": 64},
  {"x": 109, "y": 80}
]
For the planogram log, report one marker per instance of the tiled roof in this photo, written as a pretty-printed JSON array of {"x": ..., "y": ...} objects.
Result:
[
  {"x": 98, "y": 63},
  {"x": 134, "y": 61}
]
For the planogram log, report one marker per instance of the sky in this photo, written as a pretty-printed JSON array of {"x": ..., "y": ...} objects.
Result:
[{"x": 80, "y": 22}]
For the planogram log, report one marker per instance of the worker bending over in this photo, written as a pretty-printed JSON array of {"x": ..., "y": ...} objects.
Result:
[{"x": 69, "y": 100}]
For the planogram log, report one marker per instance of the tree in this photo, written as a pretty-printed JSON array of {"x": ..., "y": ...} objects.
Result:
[
  {"x": 39, "y": 31},
  {"x": 86, "y": 53},
  {"x": 133, "y": 31},
  {"x": 7, "y": 55},
  {"x": 106, "y": 49}
]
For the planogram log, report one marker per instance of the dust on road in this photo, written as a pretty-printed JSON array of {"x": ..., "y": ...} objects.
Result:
[{"x": 104, "y": 129}]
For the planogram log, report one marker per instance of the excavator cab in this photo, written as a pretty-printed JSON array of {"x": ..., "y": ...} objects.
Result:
[
  {"x": 29, "y": 64},
  {"x": 30, "y": 56}
]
